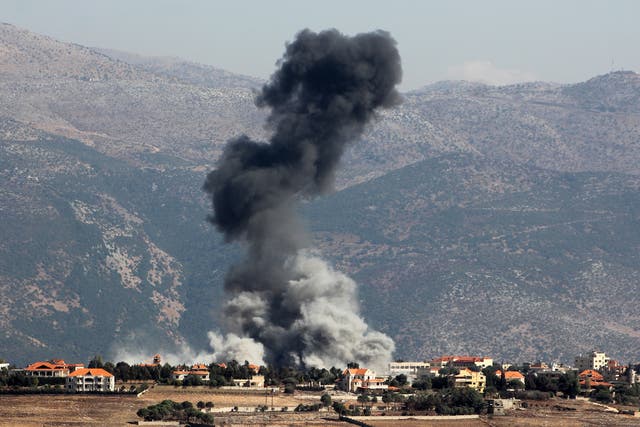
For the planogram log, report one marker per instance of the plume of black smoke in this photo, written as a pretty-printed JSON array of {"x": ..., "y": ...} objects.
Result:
[{"x": 327, "y": 88}]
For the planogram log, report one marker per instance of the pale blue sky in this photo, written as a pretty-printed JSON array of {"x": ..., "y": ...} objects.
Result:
[{"x": 495, "y": 41}]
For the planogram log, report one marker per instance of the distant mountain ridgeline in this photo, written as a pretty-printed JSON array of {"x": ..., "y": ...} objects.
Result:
[
  {"x": 97, "y": 253},
  {"x": 477, "y": 219},
  {"x": 459, "y": 254}
]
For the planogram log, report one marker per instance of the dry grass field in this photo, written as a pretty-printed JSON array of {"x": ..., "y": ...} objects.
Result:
[
  {"x": 89, "y": 410},
  {"x": 78, "y": 410},
  {"x": 67, "y": 410},
  {"x": 223, "y": 398},
  {"x": 563, "y": 413}
]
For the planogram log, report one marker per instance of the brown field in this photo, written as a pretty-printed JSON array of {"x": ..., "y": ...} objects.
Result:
[
  {"x": 558, "y": 412},
  {"x": 422, "y": 423},
  {"x": 63, "y": 410},
  {"x": 78, "y": 410},
  {"x": 222, "y": 398}
]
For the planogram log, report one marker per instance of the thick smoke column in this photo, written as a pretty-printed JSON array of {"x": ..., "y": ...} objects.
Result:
[{"x": 326, "y": 90}]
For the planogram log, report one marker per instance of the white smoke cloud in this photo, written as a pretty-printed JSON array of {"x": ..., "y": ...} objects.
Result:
[
  {"x": 484, "y": 71},
  {"x": 234, "y": 347},
  {"x": 329, "y": 326},
  {"x": 223, "y": 348},
  {"x": 330, "y": 322}
]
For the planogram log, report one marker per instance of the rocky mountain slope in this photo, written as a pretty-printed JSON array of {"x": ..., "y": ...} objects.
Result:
[
  {"x": 460, "y": 254},
  {"x": 478, "y": 219}
]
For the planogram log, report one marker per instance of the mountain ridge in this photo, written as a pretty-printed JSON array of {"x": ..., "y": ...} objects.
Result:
[{"x": 521, "y": 197}]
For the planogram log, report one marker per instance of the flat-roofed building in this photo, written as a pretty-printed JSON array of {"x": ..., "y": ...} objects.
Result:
[
  {"x": 472, "y": 379},
  {"x": 412, "y": 370},
  {"x": 595, "y": 360}
]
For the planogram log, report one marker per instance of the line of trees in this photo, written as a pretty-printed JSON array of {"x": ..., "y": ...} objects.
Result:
[
  {"x": 168, "y": 410},
  {"x": 223, "y": 374}
]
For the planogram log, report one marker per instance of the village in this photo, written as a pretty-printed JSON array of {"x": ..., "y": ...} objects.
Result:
[{"x": 449, "y": 387}]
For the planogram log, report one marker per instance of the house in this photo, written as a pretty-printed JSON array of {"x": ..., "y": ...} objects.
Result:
[
  {"x": 500, "y": 406},
  {"x": 55, "y": 368},
  {"x": 511, "y": 376},
  {"x": 462, "y": 362},
  {"x": 560, "y": 367},
  {"x": 254, "y": 381},
  {"x": 538, "y": 366},
  {"x": 472, "y": 379},
  {"x": 199, "y": 370},
  {"x": 90, "y": 379},
  {"x": 157, "y": 361},
  {"x": 589, "y": 379},
  {"x": 362, "y": 379},
  {"x": 594, "y": 360},
  {"x": 615, "y": 372}
]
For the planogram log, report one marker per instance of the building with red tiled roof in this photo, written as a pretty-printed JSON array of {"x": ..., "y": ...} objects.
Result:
[
  {"x": 55, "y": 368},
  {"x": 362, "y": 379},
  {"x": 199, "y": 370},
  {"x": 90, "y": 379},
  {"x": 462, "y": 362},
  {"x": 511, "y": 376},
  {"x": 157, "y": 361},
  {"x": 590, "y": 378}
]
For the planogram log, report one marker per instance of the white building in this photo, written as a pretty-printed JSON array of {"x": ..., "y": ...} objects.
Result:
[
  {"x": 362, "y": 379},
  {"x": 411, "y": 369},
  {"x": 595, "y": 360},
  {"x": 90, "y": 379}
]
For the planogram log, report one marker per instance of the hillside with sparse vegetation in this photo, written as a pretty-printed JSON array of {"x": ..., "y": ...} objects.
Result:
[{"x": 477, "y": 219}]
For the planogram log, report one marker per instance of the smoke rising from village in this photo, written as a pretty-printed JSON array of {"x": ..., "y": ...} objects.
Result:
[{"x": 283, "y": 296}]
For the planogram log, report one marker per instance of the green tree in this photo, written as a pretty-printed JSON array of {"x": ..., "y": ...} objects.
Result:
[
  {"x": 110, "y": 367},
  {"x": 569, "y": 385},
  {"x": 603, "y": 395},
  {"x": 339, "y": 408},
  {"x": 363, "y": 398},
  {"x": 325, "y": 399},
  {"x": 207, "y": 418},
  {"x": 121, "y": 371},
  {"x": 96, "y": 362},
  {"x": 191, "y": 380},
  {"x": 422, "y": 383},
  {"x": 401, "y": 380}
]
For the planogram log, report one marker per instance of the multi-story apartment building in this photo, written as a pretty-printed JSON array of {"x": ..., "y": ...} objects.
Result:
[
  {"x": 595, "y": 360},
  {"x": 468, "y": 378}
]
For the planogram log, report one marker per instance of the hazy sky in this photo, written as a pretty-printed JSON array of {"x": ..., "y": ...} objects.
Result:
[{"x": 499, "y": 42}]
